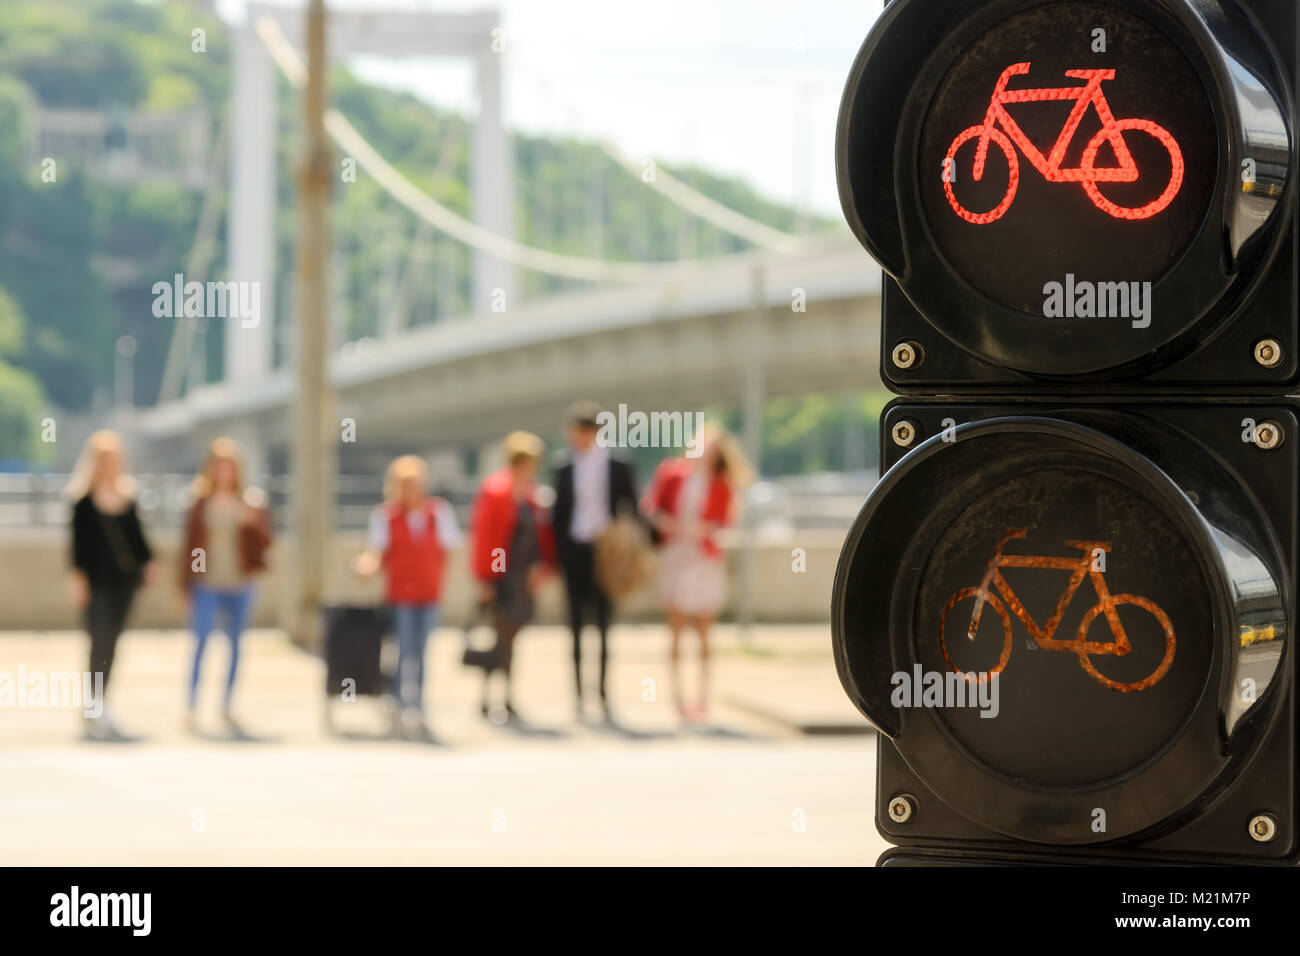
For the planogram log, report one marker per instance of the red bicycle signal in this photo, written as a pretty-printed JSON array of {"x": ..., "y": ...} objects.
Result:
[{"x": 1087, "y": 173}]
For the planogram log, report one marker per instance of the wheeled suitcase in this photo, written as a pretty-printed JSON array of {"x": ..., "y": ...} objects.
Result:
[{"x": 354, "y": 642}]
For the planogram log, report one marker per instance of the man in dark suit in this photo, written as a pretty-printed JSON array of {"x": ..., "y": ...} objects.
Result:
[{"x": 591, "y": 489}]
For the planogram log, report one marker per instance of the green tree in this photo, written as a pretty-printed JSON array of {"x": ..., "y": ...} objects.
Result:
[{"x": 21, "y": 397}]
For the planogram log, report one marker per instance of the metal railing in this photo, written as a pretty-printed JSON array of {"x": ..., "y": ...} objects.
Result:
[{"x": 34, "y": 500}]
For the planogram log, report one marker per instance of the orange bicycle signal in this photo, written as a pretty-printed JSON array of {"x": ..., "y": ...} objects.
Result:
[
  {"x": 1010, "y": 136},
  {"x": 1080, "y": 567}
]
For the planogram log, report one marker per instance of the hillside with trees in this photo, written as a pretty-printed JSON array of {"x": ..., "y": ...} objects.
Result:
[{"x": 68, "y": 243}]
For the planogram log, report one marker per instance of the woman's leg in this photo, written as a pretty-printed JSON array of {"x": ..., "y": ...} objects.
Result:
[
  {"x": 427, "y": 620},
  {"x": 203, "y": 611},
  {"x": 675, "y": 627},
  {"x": 99, "y": 629},
  {"x": 702, "y": 625},
  {"x": 236, "y": 606},
  {"x": 404, "y": 625},
  {"x": 505, "y": 642},
  {"x": 507, "y": 637}
]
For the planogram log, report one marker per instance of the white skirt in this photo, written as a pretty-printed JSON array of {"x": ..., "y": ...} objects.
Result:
[{"x": 690, "y": 581}]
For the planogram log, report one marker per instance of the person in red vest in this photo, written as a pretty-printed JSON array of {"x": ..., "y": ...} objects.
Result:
[
  {"x": 409, "y": 537},
  {"x": 690, "y": 499},
  {"x": 512, "y": 553}
]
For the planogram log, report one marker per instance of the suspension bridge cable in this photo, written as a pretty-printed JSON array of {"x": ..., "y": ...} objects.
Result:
[
  {"x": 426, "y": 207},
  {"x": 197, "y": 265},
  {"x": 669, "y": 186}
]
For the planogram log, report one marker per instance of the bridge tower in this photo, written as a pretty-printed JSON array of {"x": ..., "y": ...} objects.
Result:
[{"x": 401, "y": 32}]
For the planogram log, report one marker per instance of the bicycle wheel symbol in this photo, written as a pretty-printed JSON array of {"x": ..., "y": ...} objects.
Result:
[
  {"x": 1085, "y": 659},
  {"x": 1176, "y": 170},
  {"x": 990, "y": 600},
  {"x": 1013, "y": 175}
]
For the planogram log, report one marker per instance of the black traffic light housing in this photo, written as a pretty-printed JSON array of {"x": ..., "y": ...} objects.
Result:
[
  {"x": 1087, "y": 523},
  {"x": 967, "y": 302},
  {"x": 1178, "y": 777}
]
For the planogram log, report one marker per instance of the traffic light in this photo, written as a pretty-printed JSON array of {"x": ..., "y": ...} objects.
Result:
[
  {"x": 1078, "y": 192},
  {"x": 1068, "y": 605}
]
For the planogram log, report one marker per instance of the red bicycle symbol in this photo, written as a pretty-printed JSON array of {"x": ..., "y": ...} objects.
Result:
[{"x": 1086, "y": 173}]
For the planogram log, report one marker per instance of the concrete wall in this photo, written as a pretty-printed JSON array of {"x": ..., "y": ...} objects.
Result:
[{"x": 34, "y": 585}]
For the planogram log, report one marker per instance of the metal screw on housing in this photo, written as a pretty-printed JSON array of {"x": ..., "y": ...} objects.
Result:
[
  {"x": 904, "y": 433},
  {"x": 901, "y": 808},
  {"x": 1263, "y": 828},
  {"x": 1268, "y": 435},
  {"x": 908, "y": 355},
  {"x": 1268, "y": 353}
]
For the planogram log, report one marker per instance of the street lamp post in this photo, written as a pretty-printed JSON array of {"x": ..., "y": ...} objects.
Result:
[{"x": 314, "y": 454}]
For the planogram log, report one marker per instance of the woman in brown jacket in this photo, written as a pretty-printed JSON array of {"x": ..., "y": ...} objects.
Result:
[{"x": 227, "y": 535}]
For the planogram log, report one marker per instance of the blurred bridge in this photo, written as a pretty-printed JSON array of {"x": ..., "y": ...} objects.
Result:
[
  {"x": 797, "y": 315},
  {"x": 729, "y": 337}
]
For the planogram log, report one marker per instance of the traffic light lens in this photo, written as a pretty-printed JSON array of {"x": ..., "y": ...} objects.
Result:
[
  {"x": 1050, "y": 615},
  {"x": 1073, "y": 139},
  {"x": 1085, "y": 600}
]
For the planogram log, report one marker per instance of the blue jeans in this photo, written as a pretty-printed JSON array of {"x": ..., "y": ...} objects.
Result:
[
  {"x": 412, "y": 623},
  {"x": 204, "y": 605}
]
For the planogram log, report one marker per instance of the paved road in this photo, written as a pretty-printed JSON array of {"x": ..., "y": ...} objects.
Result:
[{"x": 742, "y": 789}]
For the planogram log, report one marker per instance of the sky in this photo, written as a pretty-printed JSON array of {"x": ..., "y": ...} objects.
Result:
[{"x": 748, "y": 88}]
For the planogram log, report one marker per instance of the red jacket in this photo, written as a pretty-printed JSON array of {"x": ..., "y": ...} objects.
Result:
[
  {"x": 494, "y": 517},
  {"x": 665, "y": 490},
  {"x": 414, "y": 562}
]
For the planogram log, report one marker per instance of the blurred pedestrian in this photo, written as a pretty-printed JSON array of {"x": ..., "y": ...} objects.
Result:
[
  {"x": 227, "y": 534},
  {"x": 689, "y": 501},
  {"x": 110, "y": 559},
  {"x": 513, "y": 550},
  {"x": 591, "y": 488},
  {"x": 410, "y": 537}
]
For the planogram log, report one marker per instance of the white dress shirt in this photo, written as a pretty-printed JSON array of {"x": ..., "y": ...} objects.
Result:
[{"x": 590, "y": 494}]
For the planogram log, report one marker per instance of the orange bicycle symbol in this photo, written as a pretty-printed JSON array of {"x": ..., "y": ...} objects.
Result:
[
  {"x": 1087, "y": 173},
  {"x": 1106, "y": 604}
]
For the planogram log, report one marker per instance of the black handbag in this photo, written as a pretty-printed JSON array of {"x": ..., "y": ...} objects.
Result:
[{"x": 491, "y": 658}]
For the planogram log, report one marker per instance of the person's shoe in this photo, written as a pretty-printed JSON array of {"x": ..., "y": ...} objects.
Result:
[
  {"x": 189, "y": 724},
  {"x": 418, "y": 730},
  {"x": 232, "y": 726},
  {"x": 486, "y": 710},
  {"x": 108, "y": 729},
  {"x": 512, "y": 715}
]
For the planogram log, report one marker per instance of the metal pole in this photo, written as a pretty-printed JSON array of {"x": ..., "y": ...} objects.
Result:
[
  {"x": 313, "y": 447},
  {"x": 124, "y": 372}
]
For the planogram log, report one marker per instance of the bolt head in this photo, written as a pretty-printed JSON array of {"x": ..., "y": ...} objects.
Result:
[
  {"x": 901, "y": 808},
  {"x": 1268, "y": 353},
  {"x": 1263, "y": 828},
  {"x": 1268, "y": 435},
  {"x": 904, "y": 434},
  {"x": 907, "y": 355}
]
